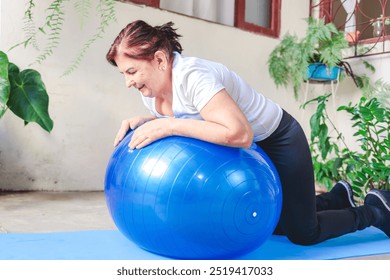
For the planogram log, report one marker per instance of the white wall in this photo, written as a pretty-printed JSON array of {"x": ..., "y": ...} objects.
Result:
[{"x": 88, "y": 105}]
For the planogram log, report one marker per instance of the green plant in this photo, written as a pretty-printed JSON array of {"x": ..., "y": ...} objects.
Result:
[
  {"x": 333, "y": 158},
  {"x": 24, "y": 93},
  {"x": 378, "y": 89},
  {"x": 324, "y": 148},
  {"x": 55, "y": 19},
  {"x": 366, "y": 168},
  {"x": 289, "y": 61},
  {"x": 371, "y": 121}
]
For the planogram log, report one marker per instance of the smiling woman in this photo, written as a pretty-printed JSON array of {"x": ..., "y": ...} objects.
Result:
[
  {"x": 146, "y": 57},
  {"x": 204, "y": 100},
  {"x": 146, "y": 62}
]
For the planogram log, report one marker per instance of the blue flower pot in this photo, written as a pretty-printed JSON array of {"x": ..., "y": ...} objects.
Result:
[{"x": 320, "y": 72}]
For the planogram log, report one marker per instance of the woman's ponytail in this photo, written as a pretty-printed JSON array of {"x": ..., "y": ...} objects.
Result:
[{"x": 170, "y": 34}]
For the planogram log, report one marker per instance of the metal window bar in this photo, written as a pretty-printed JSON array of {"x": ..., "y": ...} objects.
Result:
[{"x": 364, "y": 23}]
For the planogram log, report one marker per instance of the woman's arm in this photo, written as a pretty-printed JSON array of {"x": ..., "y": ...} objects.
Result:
[{"x": 224, "y": 124}]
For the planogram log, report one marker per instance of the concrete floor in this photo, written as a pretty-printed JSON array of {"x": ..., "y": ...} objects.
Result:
[
  {"x": 38, "y": 212},
  {"x": 27, "y": 212}
]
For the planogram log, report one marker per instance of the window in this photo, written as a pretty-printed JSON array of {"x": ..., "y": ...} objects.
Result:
[
  {"x": 364, "y": 21},
  {"x": 260, "y": 16}
]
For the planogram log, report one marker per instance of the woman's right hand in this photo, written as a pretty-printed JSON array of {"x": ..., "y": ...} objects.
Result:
[{"x": 131, "y": 123}]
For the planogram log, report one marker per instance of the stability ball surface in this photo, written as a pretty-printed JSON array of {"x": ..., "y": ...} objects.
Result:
[{"x": 189, "y": 199}]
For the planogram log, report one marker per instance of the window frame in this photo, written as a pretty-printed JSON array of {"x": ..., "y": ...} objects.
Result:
[
  {"x": 273, "y": 31},
  {"x": 150, "y": 3},
  {"x": 239, "y": 16}
]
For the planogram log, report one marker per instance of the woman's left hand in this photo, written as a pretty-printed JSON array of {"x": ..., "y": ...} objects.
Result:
[{"x": 150, "y": 132}]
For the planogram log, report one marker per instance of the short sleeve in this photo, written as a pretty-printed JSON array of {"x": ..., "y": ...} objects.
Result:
[{"x": 201, "y": 85}]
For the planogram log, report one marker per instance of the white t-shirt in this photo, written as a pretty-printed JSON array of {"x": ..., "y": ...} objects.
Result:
[{"x": 195, "y": 81}]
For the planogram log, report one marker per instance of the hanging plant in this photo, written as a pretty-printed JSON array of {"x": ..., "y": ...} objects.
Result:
[
  {"x": 55, "y": 20},
  {"x": 290, "y": 62}
]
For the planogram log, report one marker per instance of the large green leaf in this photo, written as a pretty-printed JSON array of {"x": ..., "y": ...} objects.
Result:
[
  {"x": 28, "y": 99},
  {"x": 4, "y": 83}
]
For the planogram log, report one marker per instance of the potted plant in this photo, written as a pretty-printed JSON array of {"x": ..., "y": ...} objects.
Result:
[
  {"x": 24, "y": 93},
  {"x": 316, "y": 56}
]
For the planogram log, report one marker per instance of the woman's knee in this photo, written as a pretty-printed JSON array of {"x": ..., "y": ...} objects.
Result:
[
  {"x": 303, "y": 238},
  {"x": 303, "y": 233}
]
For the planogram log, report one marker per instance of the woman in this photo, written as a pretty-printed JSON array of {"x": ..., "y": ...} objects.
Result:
[{"x": 201, "y": 99}]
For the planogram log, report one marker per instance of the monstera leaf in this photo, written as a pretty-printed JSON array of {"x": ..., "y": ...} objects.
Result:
[
  {"x": 4, "y": 83},
  {"x": 27, "y": 96}
]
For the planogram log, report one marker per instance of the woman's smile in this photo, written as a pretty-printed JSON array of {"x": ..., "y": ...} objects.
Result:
[{"x": 141, "y": 87}]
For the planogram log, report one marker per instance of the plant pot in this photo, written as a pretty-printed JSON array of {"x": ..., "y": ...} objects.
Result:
[{"x": 320, "y": 72}]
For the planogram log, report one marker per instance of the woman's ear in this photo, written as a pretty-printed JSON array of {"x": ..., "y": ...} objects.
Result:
[{"x": 161, "y": 59}]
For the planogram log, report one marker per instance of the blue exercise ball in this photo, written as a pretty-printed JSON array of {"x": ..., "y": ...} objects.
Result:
[{"x": 189, "y": 199}]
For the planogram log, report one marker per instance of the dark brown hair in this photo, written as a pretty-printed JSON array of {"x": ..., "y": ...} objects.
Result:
[{"x": 139, "y": 40}]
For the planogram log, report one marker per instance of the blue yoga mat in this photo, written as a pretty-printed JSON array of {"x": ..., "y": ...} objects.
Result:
[{"x": 112, "y": 245}]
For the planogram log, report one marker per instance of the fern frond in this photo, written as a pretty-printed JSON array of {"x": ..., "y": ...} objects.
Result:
[
  {"x": 106, "y": 10},
  {"x": 328, "y": 42},
  {"x": 29, "y": 27},
  {"x": 380, "y": 89},
  {"x": 287, "y": 63},
  {"x": 54, "y": 23},
  {"x": 83, "y": 8},
  {"x": 369, "y": 66}
]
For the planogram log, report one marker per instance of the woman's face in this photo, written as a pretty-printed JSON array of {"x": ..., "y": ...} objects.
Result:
[{"x": 148, "y": 77}]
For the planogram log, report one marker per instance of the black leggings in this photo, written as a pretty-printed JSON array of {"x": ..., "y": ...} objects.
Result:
[{"x": 301, "y": 221}]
